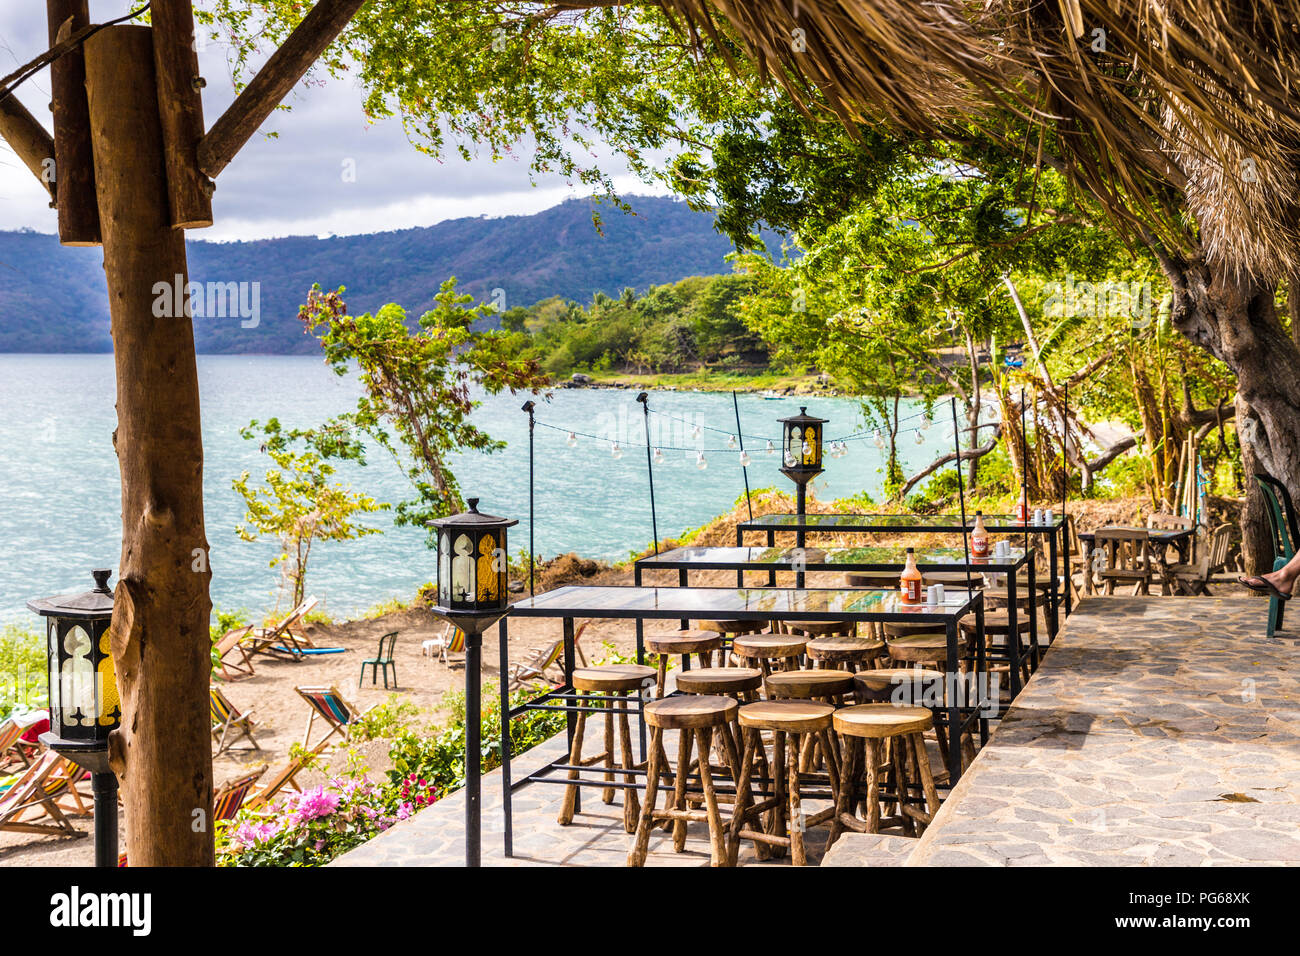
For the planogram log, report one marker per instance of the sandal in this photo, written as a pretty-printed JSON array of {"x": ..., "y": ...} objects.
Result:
[{"x": 1263, "y": 586}]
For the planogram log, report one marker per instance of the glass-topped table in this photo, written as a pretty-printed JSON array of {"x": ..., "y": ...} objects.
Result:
[
  {"x": 1054, "y": 533},
  {"x": 964, "y": 704}
]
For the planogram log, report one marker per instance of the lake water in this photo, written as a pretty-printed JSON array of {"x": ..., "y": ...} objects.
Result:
[{"x": 60, "y": 504}]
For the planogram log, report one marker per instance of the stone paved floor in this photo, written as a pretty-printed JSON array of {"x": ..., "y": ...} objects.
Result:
[{"x": 1157, "y": 732}]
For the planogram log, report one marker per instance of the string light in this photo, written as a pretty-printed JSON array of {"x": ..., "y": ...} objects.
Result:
[
  {"x": 695, "y": 433},
  {"x": 920, "y": 439},
  {"x": 878, "y": 438},
  {"x": 771, "y": 449},
  {"x": 572, "y": 440},
  {"x": 616, "y": 451},
  {"x": 744, "y": 459},
  {"x": 731, "y": 442},
  {"x": 659, "y": 456},
  {"x": 807, "y": 450},
  {"x": 700, "y": 461},
  {"x": 926, "y": 422},
  {"x": 789, "y": 460}
]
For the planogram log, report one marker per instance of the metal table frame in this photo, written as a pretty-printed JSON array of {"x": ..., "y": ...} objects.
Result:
[
  {"x": 956, "y": 715},
  {"x": 1058, "y": 540}
]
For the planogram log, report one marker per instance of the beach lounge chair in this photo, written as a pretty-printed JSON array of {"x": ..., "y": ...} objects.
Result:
[
  {"x": 226, "y": 717},
  {"x": 544, "y": 659},
  {"x": 236, "y": 662},
  {"x": 327, "y": 704},
  {"x": 36, "y": 791},
  {"x": 285, "y": 639},
  {"x": 451, "y": 641},
  {"x": 382, "y": 660},
  {"x": 14, "y": 751}
]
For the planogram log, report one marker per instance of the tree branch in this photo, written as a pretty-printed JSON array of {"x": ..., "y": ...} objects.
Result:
[
  {"x": 930, "y": 469},
  {"x": 28, "y": 138}
]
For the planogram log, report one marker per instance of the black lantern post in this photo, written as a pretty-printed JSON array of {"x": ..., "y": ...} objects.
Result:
[
  {"x": 801, "y": 450},
  {"x": 84, "y": 703},
  {"x": 473, "y": 594}
]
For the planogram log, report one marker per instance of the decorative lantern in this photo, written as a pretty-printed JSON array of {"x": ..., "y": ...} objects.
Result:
[
  {"x": 801, "y": 440},
  {"x": 84, "y": 704},
  {"x": 472, "y": 576}
]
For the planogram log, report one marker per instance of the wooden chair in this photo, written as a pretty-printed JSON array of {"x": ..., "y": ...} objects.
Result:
[
  {"x": 382, "y": 660},
  {"x": 284, "y": 777},
  {"x": 682, "y": 644},
  {"x": 450, "y": 641},
  {"x": 227, "y": 717},
  {"x": 1194, "y": 578},
  {"x": 1128, "y": 558},
  {"x": 544, "y": 659},
  {"x": 286, "y": 638},
  {"x": 236, "y": 662},
  {"x": 31, "y": 793},
  {"x": 883, "y": 741},
  {"x": 14, "y": 751},
  {"x": 328, "y": 704}
]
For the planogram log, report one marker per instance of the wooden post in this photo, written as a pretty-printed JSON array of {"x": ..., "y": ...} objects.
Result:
[
  {"x": 180, "y": 106},
  {"x": 74, "y": 167},
  {"x": 160, "y": 620}
]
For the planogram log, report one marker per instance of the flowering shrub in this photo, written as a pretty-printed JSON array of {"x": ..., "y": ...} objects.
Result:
[{"x": 312, "y": 827}]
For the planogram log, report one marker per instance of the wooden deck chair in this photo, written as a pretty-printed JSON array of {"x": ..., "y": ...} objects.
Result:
[
  {"x": 1128, "y": 558},
  {"x": 286, "y": 638},
  {"x": 327, "y": 704},
  {"x": 31, "y": 793},
  {"x": 236, "y": 661},
  {"x": 62, "y": 783},
  {"x": 544, "y": 658},
  {"x": 14, "y": 751},
  {"x": 450, "y": 641},
  {"x": 283, "y": 778},
  {"x": 226, "y": 717}
]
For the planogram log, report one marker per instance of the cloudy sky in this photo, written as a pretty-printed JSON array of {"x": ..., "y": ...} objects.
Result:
[{"x": 294, "y": 184}]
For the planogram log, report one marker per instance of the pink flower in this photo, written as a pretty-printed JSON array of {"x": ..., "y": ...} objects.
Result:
[
  {"x": 404, "y": 811},
  {"x": 313, "y": 804}
]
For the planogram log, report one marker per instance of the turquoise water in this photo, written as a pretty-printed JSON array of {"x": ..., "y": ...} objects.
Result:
[{"x": 60, "y": 495}]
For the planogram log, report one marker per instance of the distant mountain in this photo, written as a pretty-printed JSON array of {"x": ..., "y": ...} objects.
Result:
[{"x": 52, "y": 298}]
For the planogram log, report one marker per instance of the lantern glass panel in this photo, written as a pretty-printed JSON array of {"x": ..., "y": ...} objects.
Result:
[
  {"x": 462, "y": 570},
  {"x": 444, "y": 568},
  {"x": 78, "y": 702},
  {"x": 487, "y": 570}
]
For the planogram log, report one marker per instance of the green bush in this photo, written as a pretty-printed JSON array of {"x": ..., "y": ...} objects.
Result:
[{"x": 23, "y": 683}]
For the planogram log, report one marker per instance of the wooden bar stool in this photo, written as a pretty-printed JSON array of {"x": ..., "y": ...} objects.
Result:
[
  {"x": 696, "y": 717},
  {"x": 612, "y": 685},
  {"x": 914, "y": 687},
  {"x": 729, "y": 630},
  {"x": 826, "y": 686},
  {"x": 920, "y": 644},
  {"x": 818, "y": 628},
  {"x": 769, "y": 652},
  {"x": 741, "y": 684},
  {"x": 997, "y": 641},
  {"x": 790, "y": 722},
  {"x": 846, "y": 653},
  {"x": 884, "y": 744},
  {"x": 682, "y": 643}
]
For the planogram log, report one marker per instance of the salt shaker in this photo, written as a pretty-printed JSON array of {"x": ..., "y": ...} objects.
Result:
[{"x": 1038, "y": 516}]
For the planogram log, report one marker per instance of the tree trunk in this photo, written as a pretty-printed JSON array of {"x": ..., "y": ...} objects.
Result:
[
  {"x": 160, "y": 639},
  {"x": 1233, "y": 318}
]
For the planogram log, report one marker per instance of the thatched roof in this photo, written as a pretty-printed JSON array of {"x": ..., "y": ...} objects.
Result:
[{"x": 1137, "y": 101}]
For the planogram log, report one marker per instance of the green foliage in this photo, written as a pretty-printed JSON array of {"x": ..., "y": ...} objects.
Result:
[
  {"x": 23, "y": 680},
  {"x": 389, "y": 719},
  {"x": 300, "y": 504},
  {"x": 417, "y": 385}
]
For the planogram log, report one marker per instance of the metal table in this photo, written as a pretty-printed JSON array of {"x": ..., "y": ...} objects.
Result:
[
  {"x": 875, "y": 558},
  {"x": 1057, "y": 541},
  {"x": 1161, "y": 539},
  {"x": 956, "y": 714}
]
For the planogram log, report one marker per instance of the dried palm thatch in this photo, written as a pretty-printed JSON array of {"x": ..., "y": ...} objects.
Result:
[{"x": 1156, "y": 109}]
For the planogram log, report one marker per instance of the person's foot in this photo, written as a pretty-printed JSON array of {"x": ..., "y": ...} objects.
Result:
[{"x": 1271, "y": 584}]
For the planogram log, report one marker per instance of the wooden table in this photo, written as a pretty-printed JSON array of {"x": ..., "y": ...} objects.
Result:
[
  {"x": 1057, "y": 541},
  {"x": 1160, "y": 538},
  {"x": 957, "y": 714}
]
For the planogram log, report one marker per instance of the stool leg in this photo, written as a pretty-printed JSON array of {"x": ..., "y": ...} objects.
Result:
[
  {"x": 630, "y": 802},
  {"x": 844, "y": 792},
  {"x": 607, "y": 794},
  {"x": 798, "y": 856},
  {"x": 661, "y": 679},
  {"x": 926, "y": 775},
  {"x": 776, "y": 822},
  {"x": 744, "y": 794},
  {"x": 679, "y": 787},
  {"x": 899, "y": 749},
  {"x": 636, "y": 857},
  {"x": 718, "y": 855},
  {"x": 874, "y": 760},
  {"x": 570, "y": 803}
]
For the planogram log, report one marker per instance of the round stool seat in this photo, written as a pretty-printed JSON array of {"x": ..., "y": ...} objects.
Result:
[
  {"x": 856, "y": 649},
  {"x": 951, "y": 578},
  {"x": 612, "y": 677},
  {"x": 730, "y": 627},
  {"x": 683, "y": 642},
  {"x": 685, "y": 713},
  {"x": 719, "y": 680},
  {"x": 792, "y": 716},
  {"x": 769, "y": 645},
  {"x": 820, "y": 628},
  {"x": 903, "y": 686},
  {"x": 900, "y": 629},
  {"x": 995, "y": 624},
  {"x": 923, "y": 647},
  {"x": 881, "y": 720},
  {"x": 809, "y": 683},
  {"x": 871, "y": 579}
]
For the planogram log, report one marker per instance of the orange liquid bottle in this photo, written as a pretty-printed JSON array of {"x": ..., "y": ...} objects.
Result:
[
  {"x": 979, "y": 537},
  {"x": 910, "y": 582}
]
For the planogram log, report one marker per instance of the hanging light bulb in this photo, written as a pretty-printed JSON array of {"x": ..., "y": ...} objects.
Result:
[
  {"x": 744, "y": 459},
  {"x": 700, "y": 461},
  {"x": 771, "y": 449},
  {"x": 844, "y": 448},
  {"x": 659, "y": 456},
  {"x": 572, "y": 440},
  {"x": 789, "y": 460},
  {"x": 920, "y": 439},
  {"x": 731, "y": 442},
  {"x": 926, "y": 422},
  {"x": 695, "y": 433},
  {"x": 616, "y": 451},
  {"x": 878, "y": 438}
]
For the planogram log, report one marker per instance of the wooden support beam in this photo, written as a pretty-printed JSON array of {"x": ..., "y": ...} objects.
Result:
[
  {"x": 74, "y": 166},
  {"x": 180, "y": 106},
  {"x": 273, "y": 82},
  {"x": 28, "y": 139},
  {"x": 160, "y": 642}
]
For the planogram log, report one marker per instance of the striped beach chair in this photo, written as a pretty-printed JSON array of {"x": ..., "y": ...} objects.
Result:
[
  {"x": 14, "y": 751},
  {"x": 37, "y": 790},
  {"x": 450, "y": 641},
  {"x": 283, "y": 778},
  {"x": 543, "y": 659},
  {"x": 327, "y": 704},
  {"x": 226, "y": 717}
]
